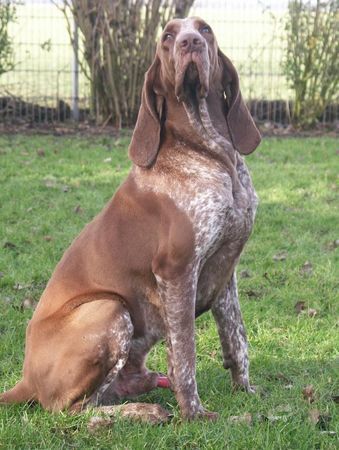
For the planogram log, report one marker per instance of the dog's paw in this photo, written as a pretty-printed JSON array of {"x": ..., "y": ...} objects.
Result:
[
  {"x": 201, "y": 414},
  {"x": 246, "y": 387},
  {"x": 145, "y": 412}
]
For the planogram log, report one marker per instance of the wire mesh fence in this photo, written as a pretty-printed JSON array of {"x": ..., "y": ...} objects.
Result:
[{"x": 43, "y": 85}]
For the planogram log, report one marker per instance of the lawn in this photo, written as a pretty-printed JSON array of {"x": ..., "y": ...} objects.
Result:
[{"x": 288, "y": 282}]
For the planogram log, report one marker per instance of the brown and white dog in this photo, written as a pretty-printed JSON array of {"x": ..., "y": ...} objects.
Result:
[{"x": 163, "y": 250}]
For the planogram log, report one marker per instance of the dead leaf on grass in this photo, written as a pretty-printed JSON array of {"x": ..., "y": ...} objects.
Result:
[
  {"x": 9, "y": 245},
  {"x": 48, "y": 238},
  {"x": 282, "y": 377},
  {"x": 245, "y": 274},
  {"x": 50, "y": 182},
  {"x": 280, "y": 256},
  {"x": 252, "y": 294},
  {"x": 78, "y": 210},
  {"x": 285, "y": 409},
  {"x": 306, "y": 269},
  {"x": 41, "y": 152},
  {"x": 299, "y": 307},
  {"x": 312, "y": 312},
  {"x": 213, "y": 354},
  {"x": 314, "y": 415},
  {"x": 28, "y": 303},
  {"x": 97, "y": 423},
  {"x": 324, "y": 421},
  {"x": 244, "y": 418},
  {"x": 308, "y": 393}
]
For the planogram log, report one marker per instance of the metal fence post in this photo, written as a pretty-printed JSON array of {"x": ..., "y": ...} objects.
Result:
[{"x": 75, "y": 74}]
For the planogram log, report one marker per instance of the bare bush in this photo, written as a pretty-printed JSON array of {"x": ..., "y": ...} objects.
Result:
[
  {"x": 7, "y": 14},
  {"x": 312, "y": 64},
  {"x": 119, "y": 39}
]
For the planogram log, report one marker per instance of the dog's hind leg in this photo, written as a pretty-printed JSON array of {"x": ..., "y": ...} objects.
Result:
[{"x": 70, "y": 355}]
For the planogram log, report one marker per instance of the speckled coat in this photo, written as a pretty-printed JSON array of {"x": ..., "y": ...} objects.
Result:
[{"x": 163, "y": 250}]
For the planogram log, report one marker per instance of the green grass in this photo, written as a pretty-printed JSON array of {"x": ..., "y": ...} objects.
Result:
[{"x": 51, "y": 186}]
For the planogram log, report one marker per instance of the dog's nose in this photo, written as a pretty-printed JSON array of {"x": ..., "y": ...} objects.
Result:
[{"x": 190, "y": 42}]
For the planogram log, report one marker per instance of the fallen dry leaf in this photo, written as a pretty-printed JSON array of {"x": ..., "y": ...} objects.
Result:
[
  {"x": 244, "y": 418},
  {"x": 280, "y": 256},
  {"x": 321, "y": 420},
  {"x": 299, "y": 307},
  {"x": 9, "y": 245},
  {"x": 50, "y": 182},
  {"x": 314, "y": 415},
  {"x": 213, "y": 354},
  {"x": 332, "y": 245},
  {"x": 306, "y": 269},
  {"x": 48, "y": 238},
  {"x": 96, "y": 423},
  {"x": 308, "y": 393},
  {"x": 245, "y": 274},
  {"x": 282, "y": 377},
  {"x": 324, "y": 421},
  {"x": 266, "y": 276},
  {"x": 41, "y": 152},
  {"x": 28, "y": 303},
  {"x": 252, "y": 294},
  {"x": 312, "y": 312},
  {"x": 78, "y": 210}
]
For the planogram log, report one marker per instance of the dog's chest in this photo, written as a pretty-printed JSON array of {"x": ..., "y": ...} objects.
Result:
[{"x": 219, "y": 214}]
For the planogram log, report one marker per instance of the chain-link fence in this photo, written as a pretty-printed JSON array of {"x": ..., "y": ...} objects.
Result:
[{"x": 47, "y": 85}]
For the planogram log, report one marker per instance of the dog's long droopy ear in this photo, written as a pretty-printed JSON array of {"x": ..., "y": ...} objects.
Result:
[
  {"x": 244, "y": 134},
  {"x": 145, "y": 141}
]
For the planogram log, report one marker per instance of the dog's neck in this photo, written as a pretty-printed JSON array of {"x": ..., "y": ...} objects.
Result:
[{"x": 200, "y": 124}]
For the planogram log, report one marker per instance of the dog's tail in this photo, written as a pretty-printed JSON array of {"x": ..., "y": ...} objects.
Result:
[{"x": 20, "y": 393}]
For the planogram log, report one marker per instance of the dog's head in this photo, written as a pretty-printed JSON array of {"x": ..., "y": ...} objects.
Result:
[{"x": 188, "y": 63}]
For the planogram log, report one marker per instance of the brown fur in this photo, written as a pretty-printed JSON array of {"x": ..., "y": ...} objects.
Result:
[{"x": 162, "y": 251}]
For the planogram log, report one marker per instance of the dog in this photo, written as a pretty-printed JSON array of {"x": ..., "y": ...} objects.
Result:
[{"x": 163, "y": 250}]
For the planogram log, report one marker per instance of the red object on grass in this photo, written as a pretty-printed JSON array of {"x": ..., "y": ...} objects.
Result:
[{"x": 163, "y": 381}]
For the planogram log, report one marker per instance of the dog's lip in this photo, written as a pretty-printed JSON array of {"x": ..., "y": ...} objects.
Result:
[{"x": 190, "y": 76}]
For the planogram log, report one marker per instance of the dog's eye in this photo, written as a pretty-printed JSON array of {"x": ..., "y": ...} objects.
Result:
[
  {"x": 167, "y": 37},
  {"x": 205, "y": 29}
]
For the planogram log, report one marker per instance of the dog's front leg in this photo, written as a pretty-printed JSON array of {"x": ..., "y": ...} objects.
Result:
[
  {"x": 178, "y": 298},
  {"x": 227, "y": 314}
]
